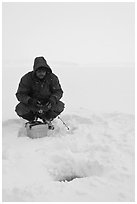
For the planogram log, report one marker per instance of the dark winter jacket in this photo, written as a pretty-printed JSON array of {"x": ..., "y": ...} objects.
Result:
[{"x": 32, "y": 87}]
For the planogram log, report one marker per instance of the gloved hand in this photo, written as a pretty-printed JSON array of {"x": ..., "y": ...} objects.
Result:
[
  {"x": 33, "y": 102},
  {"x": 52, "y": 100},
  {"x": 44, "y": 108}
]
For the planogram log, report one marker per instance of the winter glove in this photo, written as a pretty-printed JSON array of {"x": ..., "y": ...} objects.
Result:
[
  {"x": 45, "y": 104},
  {"x": 44, "y": 108},
  {"x": 48, "y": 104},
  {"x": 33, "y": 102}
]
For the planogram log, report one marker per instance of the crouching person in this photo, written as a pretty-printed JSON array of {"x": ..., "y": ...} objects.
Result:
[{"x": 39, "y": 94}]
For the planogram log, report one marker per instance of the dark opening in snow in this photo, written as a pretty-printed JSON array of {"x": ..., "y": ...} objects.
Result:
[
  {"x": 68, "y": 178},
  {"x": 69, "y": 171}
]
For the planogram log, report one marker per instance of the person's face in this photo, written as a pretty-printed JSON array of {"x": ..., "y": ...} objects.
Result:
[{"x": 40, "y": 73}]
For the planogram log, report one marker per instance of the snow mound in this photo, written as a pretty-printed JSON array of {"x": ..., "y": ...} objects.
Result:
[{"x": 96, "y": 155}]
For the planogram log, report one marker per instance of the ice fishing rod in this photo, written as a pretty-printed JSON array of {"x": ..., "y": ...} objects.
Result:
[{"x": 63, "y": 122}]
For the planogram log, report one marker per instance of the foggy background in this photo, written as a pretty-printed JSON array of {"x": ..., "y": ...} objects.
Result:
[{"x": 89, "y": 46}]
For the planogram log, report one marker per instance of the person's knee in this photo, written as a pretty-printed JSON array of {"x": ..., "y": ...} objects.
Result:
[
  {"x": 29, "y": 116},
  {"x": 60, "y": 107},
  {"x": 21, "y": 109},
  {"x": 55, "y": 111}
]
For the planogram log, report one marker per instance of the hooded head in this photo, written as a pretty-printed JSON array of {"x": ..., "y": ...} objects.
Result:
[{"x": 41, "y": 62}]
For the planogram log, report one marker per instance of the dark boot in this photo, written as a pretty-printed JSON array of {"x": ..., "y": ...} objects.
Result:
[{"x": 49, "y": 123}]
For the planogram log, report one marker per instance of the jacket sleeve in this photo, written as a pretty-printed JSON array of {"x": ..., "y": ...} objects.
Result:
[
  {"x": 24, "y": 89},
  {"x": 56, "y": 90}
]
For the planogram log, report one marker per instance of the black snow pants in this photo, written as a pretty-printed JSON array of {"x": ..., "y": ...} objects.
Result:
[{"x": 29, "y": 113}]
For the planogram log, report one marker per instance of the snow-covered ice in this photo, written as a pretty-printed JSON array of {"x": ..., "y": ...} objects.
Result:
[{"x": 93, "y": 161}]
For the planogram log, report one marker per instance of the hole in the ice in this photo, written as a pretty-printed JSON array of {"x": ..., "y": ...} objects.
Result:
[
  {"x": 68, "y": 178},
  {"x": 69, "y": 171}
]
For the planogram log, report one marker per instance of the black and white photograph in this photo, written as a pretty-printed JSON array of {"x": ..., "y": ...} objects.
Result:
[{"x": 68, "y": 101}]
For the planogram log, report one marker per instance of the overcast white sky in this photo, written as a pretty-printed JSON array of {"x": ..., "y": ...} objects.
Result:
[
  {"x": 93, "y": 34},
  {"x": 78, "y": 32}
]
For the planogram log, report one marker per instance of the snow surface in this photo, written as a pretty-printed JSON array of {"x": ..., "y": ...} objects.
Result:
[{"x": 93, "y": 161}]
